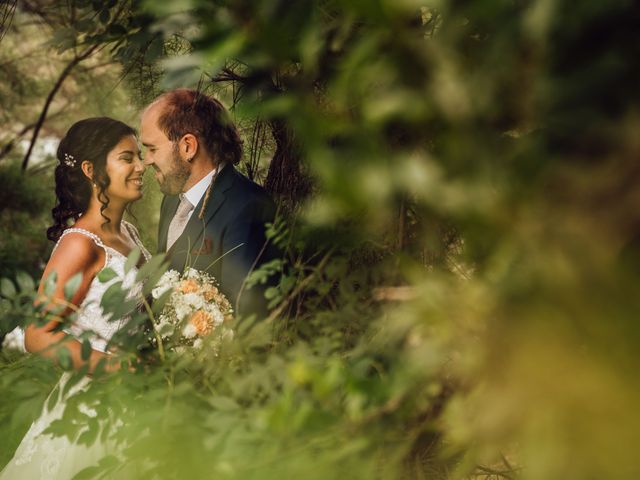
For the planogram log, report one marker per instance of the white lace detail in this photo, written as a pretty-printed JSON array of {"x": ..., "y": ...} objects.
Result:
[
  {"x": 90, "y": 316},
  {"x": 47, "y": 457},
  {"x": 14, "y": 340}
]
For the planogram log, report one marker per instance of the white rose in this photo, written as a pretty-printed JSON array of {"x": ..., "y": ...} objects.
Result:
[
  {"x": 194, "y": 300},
  {"x": 189, "y": 331}
]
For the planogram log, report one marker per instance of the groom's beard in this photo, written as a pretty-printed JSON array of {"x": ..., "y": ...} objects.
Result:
[{"x": 172, "y": 182}]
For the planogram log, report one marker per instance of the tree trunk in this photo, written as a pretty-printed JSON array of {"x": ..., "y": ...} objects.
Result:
[{"x": 286, "y": 182}]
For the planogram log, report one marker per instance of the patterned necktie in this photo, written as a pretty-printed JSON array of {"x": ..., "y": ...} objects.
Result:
[{"x": 179, "y": 221}]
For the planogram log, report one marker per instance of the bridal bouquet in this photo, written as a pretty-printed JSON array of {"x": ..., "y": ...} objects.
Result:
[{"x": 194, "y": 309}]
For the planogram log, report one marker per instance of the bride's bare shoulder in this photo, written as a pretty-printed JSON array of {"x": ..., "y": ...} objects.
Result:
[{"x": 75, "y": 252}]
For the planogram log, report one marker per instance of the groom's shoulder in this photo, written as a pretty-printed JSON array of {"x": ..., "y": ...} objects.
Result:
[{"x": 248, "y": 189}]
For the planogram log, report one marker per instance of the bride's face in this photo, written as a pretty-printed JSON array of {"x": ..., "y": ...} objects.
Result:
[{"x": 125, "y": 168}]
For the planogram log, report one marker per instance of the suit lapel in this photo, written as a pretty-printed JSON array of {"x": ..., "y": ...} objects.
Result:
[{"x": 192, "y": 238}]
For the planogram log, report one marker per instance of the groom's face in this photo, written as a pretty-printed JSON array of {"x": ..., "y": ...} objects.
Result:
[{"x": 172, "y": 172}]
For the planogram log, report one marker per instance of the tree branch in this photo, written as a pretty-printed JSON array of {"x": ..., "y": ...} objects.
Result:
[
  {"x": 11, "y": 143},
  {"x": 43, "y": 115}
]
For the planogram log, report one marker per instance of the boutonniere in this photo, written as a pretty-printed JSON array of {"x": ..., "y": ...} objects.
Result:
[{"x": 205, "y": 248}]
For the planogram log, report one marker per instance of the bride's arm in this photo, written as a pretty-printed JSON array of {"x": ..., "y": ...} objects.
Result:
[{"x": 74, "y": 254}]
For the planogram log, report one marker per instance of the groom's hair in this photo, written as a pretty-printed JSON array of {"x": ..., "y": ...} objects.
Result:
[{"x": 190, "y": 111}]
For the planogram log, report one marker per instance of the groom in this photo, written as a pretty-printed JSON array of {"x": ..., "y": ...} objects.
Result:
[{"x": 212, "y": 217}]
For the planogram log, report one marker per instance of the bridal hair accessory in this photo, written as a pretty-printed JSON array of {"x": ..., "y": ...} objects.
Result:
[{"x": 69, "y": 161}]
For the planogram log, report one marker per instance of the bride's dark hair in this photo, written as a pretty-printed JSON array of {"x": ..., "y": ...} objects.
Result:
[{"x": 90, "y": 139}]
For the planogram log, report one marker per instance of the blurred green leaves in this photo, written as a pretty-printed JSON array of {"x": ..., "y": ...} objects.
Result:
[{"x": 474, "y": 172}]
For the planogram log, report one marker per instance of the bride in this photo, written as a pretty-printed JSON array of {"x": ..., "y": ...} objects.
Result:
[{"x": 98, "y": 175}]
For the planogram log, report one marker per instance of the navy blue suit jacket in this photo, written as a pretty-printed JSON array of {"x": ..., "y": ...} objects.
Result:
[{"x": 229, "y": 241}]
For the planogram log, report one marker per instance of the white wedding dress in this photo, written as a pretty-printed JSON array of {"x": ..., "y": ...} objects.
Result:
[{"x": 42, "y": 456}]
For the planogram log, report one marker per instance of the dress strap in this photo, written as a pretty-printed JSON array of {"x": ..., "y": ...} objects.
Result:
[
  {"x": 86, "y": 233},
  {"x": 133, "y": 233}
]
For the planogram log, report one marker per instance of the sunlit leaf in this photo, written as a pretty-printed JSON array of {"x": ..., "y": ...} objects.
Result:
[
  {"x": 86, "y": 350},
  {"x": 7, "y": 288},
  {"x": 64, "y": 358},
  {"x": 132, "y": 259},
  {"x": 106, "y": 274},
  {"x": 25, "y": 282},
  {"x": 72, "y": 285},
  {"x": 50, "y": 283}
]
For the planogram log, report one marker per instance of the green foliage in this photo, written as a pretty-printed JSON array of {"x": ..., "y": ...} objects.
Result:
[
  {"x": 24, "y": 219},
  {"x": 459, "y": 290},
  {"x": 25, "y": 383}
]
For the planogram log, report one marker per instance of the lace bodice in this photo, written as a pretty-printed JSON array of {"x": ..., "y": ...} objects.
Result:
[
  {"x": 45, "y": 456},
  {"x": 90, "y": 315}
]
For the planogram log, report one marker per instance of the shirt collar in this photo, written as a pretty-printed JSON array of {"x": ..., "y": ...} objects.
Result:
[{"x": 195, "y": 193}]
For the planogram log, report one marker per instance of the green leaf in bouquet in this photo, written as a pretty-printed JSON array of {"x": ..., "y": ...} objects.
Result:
[
  {"x": 50, "y": 283},
  {"x": 165, "y": 330},
  {"x": 152, "y": 281},
  {"x": 72, "y": 285},
  {"x": 160, "y": 302},
  {"x": 7, "y": 288},
  {"x": 156, "y": 263},
  {"x": 132, "y": 259},
  {"x": 106, "y": 274},
  {"x": 25, "y": 282},
  {"x": 85, "y": 352}
]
